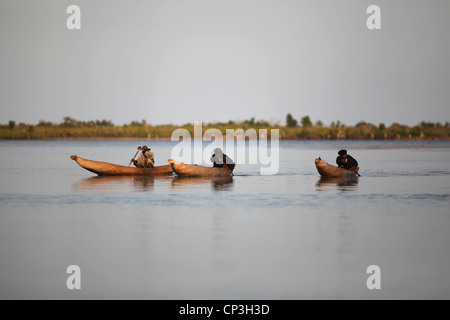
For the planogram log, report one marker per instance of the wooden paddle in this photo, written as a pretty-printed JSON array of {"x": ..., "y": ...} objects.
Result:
[
  {"x": 226, "y": 166},
  {"x": 353, "y": 169},
  {"x": 132, "y": 160}
]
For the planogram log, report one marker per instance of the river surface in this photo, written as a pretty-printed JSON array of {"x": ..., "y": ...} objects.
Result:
[{"x": 285, "y": 236}]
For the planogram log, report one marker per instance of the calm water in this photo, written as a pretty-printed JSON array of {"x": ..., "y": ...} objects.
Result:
[{"x": 289, "y": 236}]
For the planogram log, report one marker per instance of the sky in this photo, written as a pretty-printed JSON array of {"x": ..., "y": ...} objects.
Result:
[{"x": 177, "y": 61}]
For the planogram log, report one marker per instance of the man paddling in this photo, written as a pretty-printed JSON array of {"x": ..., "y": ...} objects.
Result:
[
  {"x": 146, "y": 159},
  {"x": 346, "y": 161},
  {"x": 219, "y": 159}
]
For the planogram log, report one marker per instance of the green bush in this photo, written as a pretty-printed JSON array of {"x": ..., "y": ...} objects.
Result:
[{"x": 290, "y": 121}]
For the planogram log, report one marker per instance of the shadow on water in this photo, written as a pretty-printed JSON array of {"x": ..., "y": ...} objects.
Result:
[
  {"x": 217, "y": 183},
  {"x": 341, "y": 184},
  {"x": 115, "y": 183}
]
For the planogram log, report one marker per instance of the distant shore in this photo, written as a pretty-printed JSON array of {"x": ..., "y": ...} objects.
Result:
[{"x": 71, "y": 129}]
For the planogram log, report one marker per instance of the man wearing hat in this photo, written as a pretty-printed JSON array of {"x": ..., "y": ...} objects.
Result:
[
  {"x": 219, "y": 159},
  {"x": 146, "y": 159},
  {"x": 346, "y": 161}
]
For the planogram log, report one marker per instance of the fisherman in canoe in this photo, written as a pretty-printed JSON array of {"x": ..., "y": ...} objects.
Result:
[
  {"x": 219, "y": 159},
  {"x": 146, "y": 159},
  {"x": 346, "y": 161}
]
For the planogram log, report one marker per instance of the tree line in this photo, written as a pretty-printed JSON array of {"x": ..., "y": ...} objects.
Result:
[
  {"x": 305, "y": 129},
  {"x": 302, "y": 129}
]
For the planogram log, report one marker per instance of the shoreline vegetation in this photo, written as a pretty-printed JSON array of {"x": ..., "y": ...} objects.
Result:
[{"x": 305, "y": 129}]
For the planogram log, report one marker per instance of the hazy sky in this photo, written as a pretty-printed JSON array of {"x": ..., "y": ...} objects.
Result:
[{"x": 184, "y": 60}]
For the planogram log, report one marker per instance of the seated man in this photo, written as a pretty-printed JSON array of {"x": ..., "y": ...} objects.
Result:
[
  {"x": 146, "y": 159},
  {"x": 219, "y": 159},
  {"x": 346, "y": 161}
]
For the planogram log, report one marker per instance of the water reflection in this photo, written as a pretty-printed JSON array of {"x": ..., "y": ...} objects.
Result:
[
  {"x": 336, "y": 236},
  {"x": 115, "y": 183},
  {"x": 221, "y": 239},
  {"x": 217, "y": 183},
  {"x": 342, "y": 184}
]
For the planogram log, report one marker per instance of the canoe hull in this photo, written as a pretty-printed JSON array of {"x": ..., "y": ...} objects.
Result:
[
  {"x": 109, "y": 169},
  {"x": 188, "y": 170},
  {"x": 329, "y": 171}
]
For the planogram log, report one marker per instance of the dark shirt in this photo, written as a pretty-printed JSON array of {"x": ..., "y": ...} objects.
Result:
[
  {"x": 225, "y": 159},
  {"x": 350, "y": 163}
]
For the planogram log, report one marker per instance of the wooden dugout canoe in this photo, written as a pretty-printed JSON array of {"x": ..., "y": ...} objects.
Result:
[
  {"x": 327, "y": 170},
  {"x": 189, "y": 170},
  {"x": 109, "y": 169}
]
